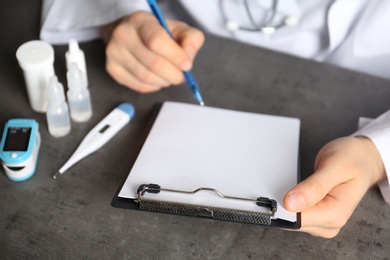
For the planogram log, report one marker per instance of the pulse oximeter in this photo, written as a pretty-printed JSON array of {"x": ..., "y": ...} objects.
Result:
[{"x": 19, "y": 148}]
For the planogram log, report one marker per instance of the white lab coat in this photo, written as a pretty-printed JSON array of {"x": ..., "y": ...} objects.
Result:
[{"x": 347, "y": 33}]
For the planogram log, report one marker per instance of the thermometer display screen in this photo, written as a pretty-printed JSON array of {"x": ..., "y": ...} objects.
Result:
[
  {"x": 104, "y": 129},
  {"x": 17, "y": 139}
]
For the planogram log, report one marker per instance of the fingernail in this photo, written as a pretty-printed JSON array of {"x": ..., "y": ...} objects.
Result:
[
  {"x": 295, "y": 202},
  {"x": 190, "y": 52},
  {"x": 186, "y": 66}
]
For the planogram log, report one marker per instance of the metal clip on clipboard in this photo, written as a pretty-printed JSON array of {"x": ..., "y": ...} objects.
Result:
[{"x": 206, "y": 211}]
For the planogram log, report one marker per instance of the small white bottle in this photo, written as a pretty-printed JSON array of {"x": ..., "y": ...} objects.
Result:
[
  {"x": 36, "y": 59},
  {"x": 75, "y": 54},
  {"x": 78, "y": 95},
  {"x": 57, "y": 112}
]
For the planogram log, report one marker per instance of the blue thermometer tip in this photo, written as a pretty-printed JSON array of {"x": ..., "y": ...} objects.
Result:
[{"x": 127, "y": 108}]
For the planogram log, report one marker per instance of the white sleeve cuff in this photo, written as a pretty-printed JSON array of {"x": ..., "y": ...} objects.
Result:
[
  {"x": 63, "y": 20},
  {"x": 384, "y": 187},
  {"x": 378, "y": 131}
]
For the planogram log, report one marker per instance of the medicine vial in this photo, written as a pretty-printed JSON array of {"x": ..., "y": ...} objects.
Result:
[
  {"x": 78, "y": 95},
  {"x": 36, "y": 59},
  {"x": 75, "y": 54},
  {"x": 57, "y": 112}
]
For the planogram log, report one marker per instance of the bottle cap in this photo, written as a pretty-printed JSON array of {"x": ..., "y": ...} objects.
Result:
[
  {"x": 75, "y": 77},
  {"x": 55, "y": 90},
  {"x": 35, "y": 55},
  {"x": 75, "y": 54},
  {"x": 74, "y": 48}
]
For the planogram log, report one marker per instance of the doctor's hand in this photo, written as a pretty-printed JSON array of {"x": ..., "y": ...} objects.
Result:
[
  {"x": 142, "y": 56},
  {"x": 344, "y": 170}
]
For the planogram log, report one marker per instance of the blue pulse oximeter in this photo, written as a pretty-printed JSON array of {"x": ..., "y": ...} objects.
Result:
[{"x": 19, "y": 148}]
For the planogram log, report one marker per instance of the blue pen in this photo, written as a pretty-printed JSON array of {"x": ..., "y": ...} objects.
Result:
[{"x": 191, "y": 82}]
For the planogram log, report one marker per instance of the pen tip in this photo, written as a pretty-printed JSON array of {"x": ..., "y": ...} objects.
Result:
[
  {"x": 55, "y": 175},
  {"x": 201, "y": 104}
]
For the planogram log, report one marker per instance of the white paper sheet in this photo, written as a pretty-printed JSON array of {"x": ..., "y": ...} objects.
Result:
[{"x": 240, "y": 154}]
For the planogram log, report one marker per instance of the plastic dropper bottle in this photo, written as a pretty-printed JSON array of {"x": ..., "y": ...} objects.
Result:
[
  {"x": 75, "y": 54},
  {"x": 57, "y": 112},
  {"x": 78, "y": 95}
]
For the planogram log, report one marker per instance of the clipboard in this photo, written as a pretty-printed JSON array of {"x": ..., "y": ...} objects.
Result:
[{"x": 216, "y": 163}]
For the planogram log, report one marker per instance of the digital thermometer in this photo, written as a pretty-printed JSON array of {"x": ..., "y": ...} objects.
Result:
[
  {"x": 100, "y": 134},
  {"x": 19, "y": 148}
]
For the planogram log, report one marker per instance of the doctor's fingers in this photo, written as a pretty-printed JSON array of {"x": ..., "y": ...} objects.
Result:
[
  {"x": 133, "y": 75},
  {"x": 320, "y": 232},
  {"x": 128, "y": 71},
  {"x": 131, "y": 37},
  {"x": 157, "y": 40},
  {"x": 334, "y": 210},
  {"x": 189, "y": 38},
  {"x": 158, "y": 64},
  {"x": 139, "y": 61}
]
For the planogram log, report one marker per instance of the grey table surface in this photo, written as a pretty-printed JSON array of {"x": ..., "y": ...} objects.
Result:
[{"x": 72, "y": 217}]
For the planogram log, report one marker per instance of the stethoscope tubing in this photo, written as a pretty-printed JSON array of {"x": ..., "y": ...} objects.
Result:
[{"x": 266, "y": 26}]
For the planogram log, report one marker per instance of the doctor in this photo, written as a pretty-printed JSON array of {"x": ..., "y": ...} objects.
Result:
[{"x": 344, "y": 32}]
